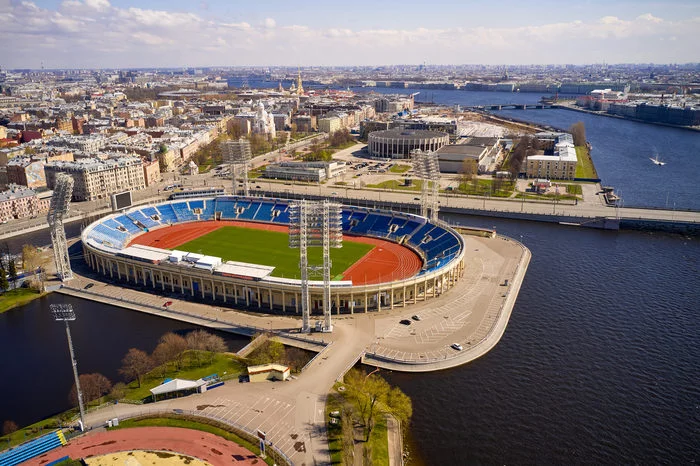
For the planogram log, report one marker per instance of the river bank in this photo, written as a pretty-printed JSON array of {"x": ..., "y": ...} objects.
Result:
[{"x": 575, "y": 108}]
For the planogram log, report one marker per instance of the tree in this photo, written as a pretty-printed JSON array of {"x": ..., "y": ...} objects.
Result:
[
  {"x": 4, "y": 284},
  {"x": 468, "y": 170},
  {"x": 348, "y": 437},
  {"x": 12, "y": 274},
  {"x": 578, "y": 131},
  {"x": 367, "y": 392},
  {"x": 170, "y": 348},
  {"x": 9, "y": 427},
  {"x": 135, "y": 364},
  {"x": 118, "y": 391},
  {"x": 400, "y": 405},
  {"x": 214, "y": 344},
  {"x": 93, "y": 387}
]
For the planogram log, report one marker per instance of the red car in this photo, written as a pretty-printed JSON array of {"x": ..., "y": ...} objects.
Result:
[{"x": 167, "y": 303}]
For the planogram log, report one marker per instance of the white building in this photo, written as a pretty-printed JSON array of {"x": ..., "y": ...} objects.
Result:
[{"x": 264, "y": 122}]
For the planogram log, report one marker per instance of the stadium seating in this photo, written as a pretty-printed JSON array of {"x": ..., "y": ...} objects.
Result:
[
  {"x": 283, "y": 216},
  {"x": 139, "y": 216},
  {"x": 208, "y": 212},
  {"x": 167, "y": 214},
  {"x": 436, "y": 244},
  {"x": 127, "y": 223},
  {"x": 227, "y": 207},
  {"x": 264, "y": 213},
  {"x": 183, "y": 212},
  {"x": 32, "y": 449},
  {"x": 250, "y": 209}
]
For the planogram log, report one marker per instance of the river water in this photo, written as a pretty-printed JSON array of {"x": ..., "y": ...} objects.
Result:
[
  {"x": 36, "y": 369},
  {"x": 598, "y": 365}
]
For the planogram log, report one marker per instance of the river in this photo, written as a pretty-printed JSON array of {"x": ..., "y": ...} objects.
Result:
[
  {"x": 36, "y": 369},
  {"x": 598, "y": 365}
]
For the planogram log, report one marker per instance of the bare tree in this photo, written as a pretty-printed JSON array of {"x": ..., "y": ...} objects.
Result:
[
  {"x": 578, "y": 131},
  {"x": 170, "y": 348},
  {"x": 8, "y": 427},
  {"x": 214, "y": 344},
  {"x": 135, "y": 364},
  {"x": 93, "y": 387}
]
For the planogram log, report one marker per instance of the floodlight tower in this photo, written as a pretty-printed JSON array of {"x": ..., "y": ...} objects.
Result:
[
  {"x": 65, "y": 313},
  {"x": 60, "y": 201},
  {"x": 427, "y": 168},
  {"x": 314, "y": 224},
  {"x": 237, "y": 154}
]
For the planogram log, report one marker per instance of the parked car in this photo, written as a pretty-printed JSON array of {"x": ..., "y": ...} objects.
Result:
[
  {"x": 167, "y": 304},
  {"x": 456, "y": 346},
  {"x": 405, "y": 322},
  {"x": 88, "y": 286},
  {"x": 416, "y": 317}
]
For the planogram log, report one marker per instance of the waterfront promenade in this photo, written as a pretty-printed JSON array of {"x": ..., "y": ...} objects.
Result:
[{"x": 474, "y": 313}]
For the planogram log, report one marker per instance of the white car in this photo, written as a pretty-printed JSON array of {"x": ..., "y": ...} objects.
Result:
[{"x": 456, "y": 346}]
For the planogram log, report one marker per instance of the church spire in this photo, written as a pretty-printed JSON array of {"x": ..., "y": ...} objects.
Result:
[{"x": 300, "y": 88}]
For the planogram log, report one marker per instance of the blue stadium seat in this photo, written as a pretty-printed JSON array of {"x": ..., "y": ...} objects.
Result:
[
  {"x": 127, "y": 223},
  {"x": 264, "y": 213},
  {"x": 227, "y": 207},
  {"x": 208, "y": 212},
  {"x": 31, "y": 449},
  {"x": 167, "y": 214},
  {"x": 183, "y": 212}
]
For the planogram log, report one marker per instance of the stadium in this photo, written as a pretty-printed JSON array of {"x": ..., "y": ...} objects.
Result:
[{"x": 233, "y": 250}]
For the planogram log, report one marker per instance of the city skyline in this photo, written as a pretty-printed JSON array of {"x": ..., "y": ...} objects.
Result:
[{"x": 120, "y": 34}]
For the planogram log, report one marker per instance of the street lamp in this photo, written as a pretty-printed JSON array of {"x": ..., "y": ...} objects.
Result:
[{"x": 65, "y": 313}]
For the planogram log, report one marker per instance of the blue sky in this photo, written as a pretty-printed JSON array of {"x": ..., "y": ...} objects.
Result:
[{"x": 104, "y": 33}]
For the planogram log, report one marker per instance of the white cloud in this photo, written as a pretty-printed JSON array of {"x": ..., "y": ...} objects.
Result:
[{"x": 95, "y": 33}]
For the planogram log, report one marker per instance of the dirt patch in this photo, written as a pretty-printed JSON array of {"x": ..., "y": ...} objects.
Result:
[{"x": 203, "y": 407}]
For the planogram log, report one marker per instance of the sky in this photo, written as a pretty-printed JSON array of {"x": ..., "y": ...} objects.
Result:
[{"x": 198, "y": 33}]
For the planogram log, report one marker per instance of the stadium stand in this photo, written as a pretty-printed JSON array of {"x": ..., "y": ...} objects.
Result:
[
  {"x": 127, "y": 223},
  {"x": 183, "y": 212},
  {"x": 437, "y": 245},
  {"x": 167, "y": 214},
  {"x": 32, "y": 449}
]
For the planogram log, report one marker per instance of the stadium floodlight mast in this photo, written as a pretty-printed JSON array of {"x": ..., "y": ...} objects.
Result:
[
  {"x": 60, "y": 201},
  {"x": 427, "y": 168},
  {"x": 65, "y": 313},
  {"x": 315, "y": 224},
  {"x": 237, "y": 154}
]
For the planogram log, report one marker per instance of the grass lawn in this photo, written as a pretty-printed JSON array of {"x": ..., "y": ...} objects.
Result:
[
  {"x": 190, "y": 424},
  {"x": 399, "y": 168},
  {"x": 221, "y": 364},
  {"x": 584, "y": 168},
  {"x": 15, "y": 298},
  {"x": 574, "y": 189},
  {"x": 334, "y": 402},
  {"x": 31, "y": 431},
  {"x": 484, "y": 187},
  {"x": 380, "y": 442},
  {"x": 270, "y": 248},
  {"x": 397, "y": 184}
]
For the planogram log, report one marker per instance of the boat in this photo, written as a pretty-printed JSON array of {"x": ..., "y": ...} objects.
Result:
[{"x": 657, "y": 161}]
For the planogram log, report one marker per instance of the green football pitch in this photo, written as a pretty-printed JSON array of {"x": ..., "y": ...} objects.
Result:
[{"x": 271, "y": 248}]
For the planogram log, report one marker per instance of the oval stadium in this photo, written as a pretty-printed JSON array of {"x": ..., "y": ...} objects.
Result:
[{"x": 233, "y": 250}]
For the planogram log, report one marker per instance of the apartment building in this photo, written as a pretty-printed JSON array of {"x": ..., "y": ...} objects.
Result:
[
  {"x": 97, "y": 179},
  {"x": 22, "y": 202}
]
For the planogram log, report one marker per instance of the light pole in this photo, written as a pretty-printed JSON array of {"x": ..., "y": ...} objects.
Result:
[{"x": 65, "y": 313}]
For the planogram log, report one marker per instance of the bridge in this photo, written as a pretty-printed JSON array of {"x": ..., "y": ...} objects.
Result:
[{"x": 485, "y": 107}]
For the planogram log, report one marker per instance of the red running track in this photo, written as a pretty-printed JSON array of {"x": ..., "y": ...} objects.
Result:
[
  {"x": 201, "y": 445},
  {"x": 386, "y": 262}
]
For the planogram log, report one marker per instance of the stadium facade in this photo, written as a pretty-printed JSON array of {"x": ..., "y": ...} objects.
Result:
[
  {"x": 107, "y": 251},
  {"x": 398, "y": 143}
]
